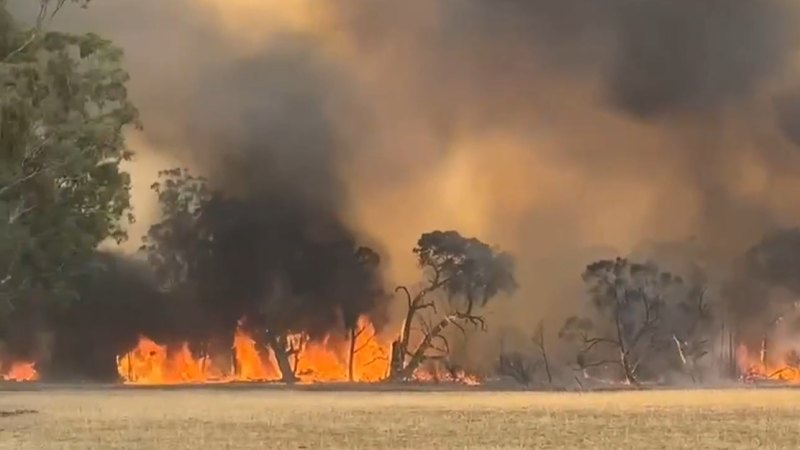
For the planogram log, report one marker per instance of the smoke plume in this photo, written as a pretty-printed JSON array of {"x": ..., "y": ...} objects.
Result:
[{"x": 561, "y": 130}]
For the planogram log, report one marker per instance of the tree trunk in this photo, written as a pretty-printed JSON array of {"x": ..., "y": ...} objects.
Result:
[
  {"x": 406, "y": 333},
  {"x": 419, "y": 354},
  {"x": 624, "y": 357},
  {"x": 278, "y": 345},
  {"x": 397, "y": 360},
  {"x": 352, "y": 353},
  {"x": 234, "y": 362},
  {"x": 544, "y": 354},
  {"x": 630, "y": 377}
]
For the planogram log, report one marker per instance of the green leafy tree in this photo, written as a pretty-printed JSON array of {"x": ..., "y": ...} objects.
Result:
[
  {"x": 176, "y": 245},
  {"x": 64, "y": 109}
]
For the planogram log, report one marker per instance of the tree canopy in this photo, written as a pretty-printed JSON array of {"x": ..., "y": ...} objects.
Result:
[
  {"x": 64, "y": 110},
  {"x": 469, "y": 273},
  {"x": 639, "y": 311}
]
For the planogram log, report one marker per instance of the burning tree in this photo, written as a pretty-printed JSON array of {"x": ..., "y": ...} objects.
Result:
[
  {"x": 640, "y": 310},
  {"x": 464, "y": 274},
  {"x": 296, "y": 276}
]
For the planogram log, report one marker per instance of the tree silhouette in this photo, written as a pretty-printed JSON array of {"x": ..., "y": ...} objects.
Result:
[{"x": 464, "y": 274}]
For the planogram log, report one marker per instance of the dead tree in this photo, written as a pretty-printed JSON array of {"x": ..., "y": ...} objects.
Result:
[{"x": 463, "y": 275}]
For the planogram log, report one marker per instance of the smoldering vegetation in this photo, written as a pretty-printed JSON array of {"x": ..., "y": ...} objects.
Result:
[{"x": 572, "y": 132}]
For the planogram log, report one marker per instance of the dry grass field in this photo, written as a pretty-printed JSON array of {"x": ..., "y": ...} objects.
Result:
[{"x": 274, "y": 419}]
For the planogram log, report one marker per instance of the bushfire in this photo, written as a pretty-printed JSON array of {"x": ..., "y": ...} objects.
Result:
[
  {"x": 759, "y": 366},
  {"x": 21, "y": 371},
  {"x": 328, "y": 360}
]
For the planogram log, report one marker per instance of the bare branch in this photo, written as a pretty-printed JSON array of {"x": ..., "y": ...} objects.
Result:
[
  {"x": 408, "y": 294},
  {"x": 591, "y": 342},
  {"x": 374, "y": 360},
  {"x": 364, "y": 345}
]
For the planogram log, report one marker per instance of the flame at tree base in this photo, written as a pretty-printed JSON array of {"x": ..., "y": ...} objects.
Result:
[
  {"x": 755, "y": 368},
  {"x": 327, "y": 361}
]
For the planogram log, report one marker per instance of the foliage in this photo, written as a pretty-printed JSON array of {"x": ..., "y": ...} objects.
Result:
[
  {"x": 257, "y": 257},
  {"x": 469, "y": 273},
  {"x": 63, "y": 111},
  {"x": 175, "y": 245},
  {"x": 639, "y": 310}
]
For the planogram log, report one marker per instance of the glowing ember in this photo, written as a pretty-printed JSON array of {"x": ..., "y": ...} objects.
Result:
[
  {"x": 21, "y": 371},
  {"x": 754, "y": 367},
  {"x": 440, "y": 375}
]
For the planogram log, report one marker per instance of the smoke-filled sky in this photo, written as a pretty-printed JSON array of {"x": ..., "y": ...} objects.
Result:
[{"x": 561, "y": 130}]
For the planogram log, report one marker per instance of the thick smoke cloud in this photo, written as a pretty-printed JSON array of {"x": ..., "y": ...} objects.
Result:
[
  {"x": 585, "y": 124},
  {"x": 562, "y": 130},
  {"x": 762, "y": 289},
  {"x": 698, "y": 55}
]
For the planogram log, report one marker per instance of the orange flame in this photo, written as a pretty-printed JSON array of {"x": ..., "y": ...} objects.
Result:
[
  {"x": 252, "y": 365},
  {"x": 439, "y": 374},
  {"x": 324, "y": 361},
  {"x": 21, "y": 371},
  {"x": 786, "y": 369}
]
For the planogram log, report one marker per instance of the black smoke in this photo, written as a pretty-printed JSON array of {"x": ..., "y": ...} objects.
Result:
[
  {"x": 697, "y": 55},
  {"x": 283, "y": 268},
  {"x": 764, "y": 285},
  {"x": 116, "y": 301},
  {"x": 279, "y": 253}
]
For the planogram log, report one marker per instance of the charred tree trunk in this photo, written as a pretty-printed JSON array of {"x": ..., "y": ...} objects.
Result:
[
  {"x": 352, "y": 353},
  {"x": 278, "y": 345},
  {"x": 397, "y": 360},
  {"x": 203, "y": 358},
  {"x": 234, "y": 362}
]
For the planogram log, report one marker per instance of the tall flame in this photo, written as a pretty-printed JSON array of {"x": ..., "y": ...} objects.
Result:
[{"x": 324, "y": 361}]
